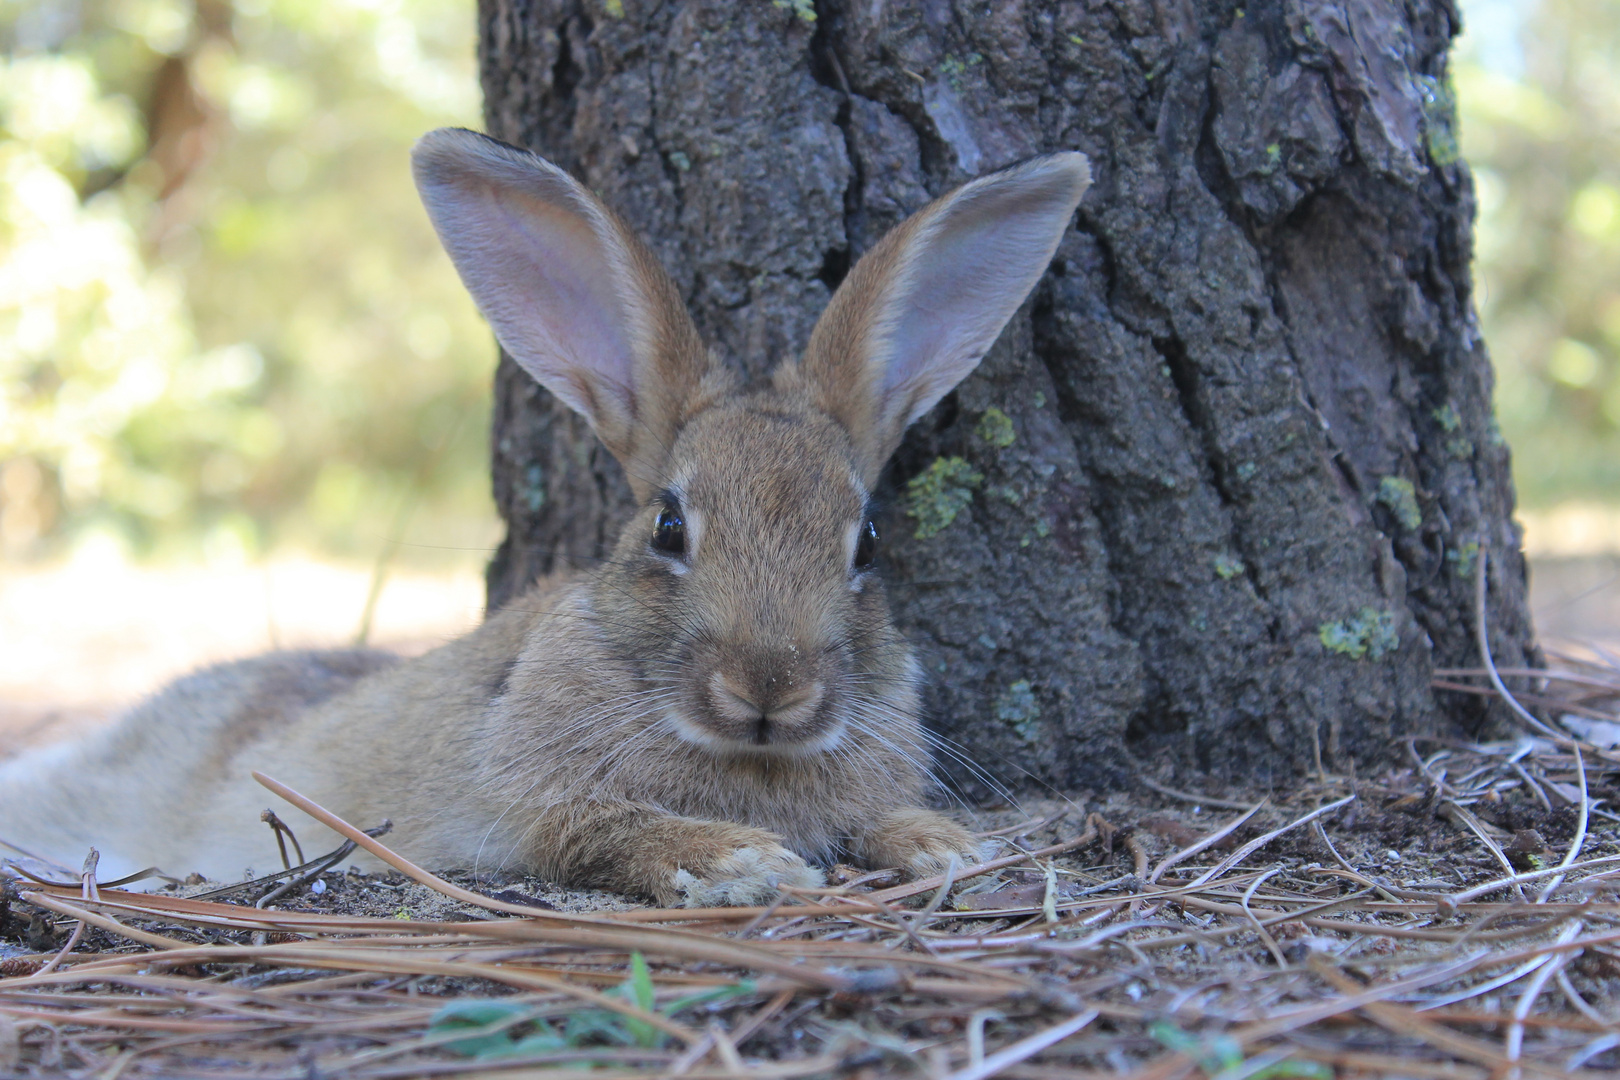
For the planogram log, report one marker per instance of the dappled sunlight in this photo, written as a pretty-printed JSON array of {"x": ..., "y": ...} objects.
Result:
[
  {"x": 1538, "y": 99},
  {"x": 222, "y": 311}
]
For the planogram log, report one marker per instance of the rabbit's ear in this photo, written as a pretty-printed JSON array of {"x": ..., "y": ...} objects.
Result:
[
  {"x": 572, "y": 295},
  {"x": 920, "y": 309}
]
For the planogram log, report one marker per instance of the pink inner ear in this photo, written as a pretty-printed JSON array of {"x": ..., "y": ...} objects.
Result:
[
  {"x": 546, "y": 265},
  {"x": 965, "y": 280},
  {"x": 551, "y": 294}
]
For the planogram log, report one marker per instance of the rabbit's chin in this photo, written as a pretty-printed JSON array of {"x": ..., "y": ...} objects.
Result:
[{"x": 778, "y": 743}]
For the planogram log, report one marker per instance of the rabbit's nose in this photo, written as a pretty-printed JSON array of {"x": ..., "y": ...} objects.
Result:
[{"x": 739, "y": 703}]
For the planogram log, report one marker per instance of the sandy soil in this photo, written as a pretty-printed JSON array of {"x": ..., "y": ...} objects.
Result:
[{"x": 83, "y": 640}]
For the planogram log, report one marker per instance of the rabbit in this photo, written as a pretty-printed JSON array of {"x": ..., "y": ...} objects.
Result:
[{"x": 721, "y": 704}]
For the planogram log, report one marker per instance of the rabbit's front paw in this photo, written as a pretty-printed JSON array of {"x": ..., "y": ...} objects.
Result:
[
  {"x": 920, "y": 843},
  {"x": 748, "y": 875}
]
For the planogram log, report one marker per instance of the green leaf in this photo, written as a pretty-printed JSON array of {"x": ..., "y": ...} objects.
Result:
[
  {"x": 547, "y": 1043},
  {"x": 598, "y": 1025},
  {"x": 1173, "y": 1037},
  {"x": 703, "y": 997},
  {"x": 640, "y": 982},
  {"x": 477, "y": 1017},
  {"x": 638, "y": 989},
  {"x": 477, "y": 1013},
  {"x": 1290, "y": 1069},
  {"x": 1215, "y": 1054}
]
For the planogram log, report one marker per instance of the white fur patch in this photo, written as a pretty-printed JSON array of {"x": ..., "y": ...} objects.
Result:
[{"x": 747, "y": 876}]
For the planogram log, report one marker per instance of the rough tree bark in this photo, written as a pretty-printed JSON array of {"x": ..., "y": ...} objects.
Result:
[{"x": 1215, "y": 498}]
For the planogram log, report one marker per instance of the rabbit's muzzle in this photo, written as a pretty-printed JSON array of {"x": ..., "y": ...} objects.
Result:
[
  {"x": 771, "y": 703},
  {"x": 757, "y": 713}
]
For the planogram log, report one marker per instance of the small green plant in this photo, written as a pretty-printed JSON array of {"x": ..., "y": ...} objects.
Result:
[
  {"x": 1221, "y": 1056},
  {"x": 495, "y": 1029},
  {"x": 498, "y": 1029}
]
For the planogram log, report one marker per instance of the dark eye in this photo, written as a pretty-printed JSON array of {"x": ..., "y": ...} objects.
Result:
[
  {"x": 669, "y": 534},
  {"x": 866, "y": 546}
]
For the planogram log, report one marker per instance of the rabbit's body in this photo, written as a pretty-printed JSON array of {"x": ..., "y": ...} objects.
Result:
[
  {"x": 542, "y": 740},
  {"x": 723, "y": 698}
]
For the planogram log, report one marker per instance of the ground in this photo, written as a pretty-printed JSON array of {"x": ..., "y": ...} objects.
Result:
[{"x": 1393, "y": 941}]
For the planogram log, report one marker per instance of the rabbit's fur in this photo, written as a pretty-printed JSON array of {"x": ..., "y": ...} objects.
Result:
[{"x": 690, "y": 723}]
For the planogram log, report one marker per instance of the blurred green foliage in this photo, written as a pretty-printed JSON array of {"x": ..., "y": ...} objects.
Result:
[
  {"x": 225, "y": 323},
  {"x": 1538, "y": 82}
]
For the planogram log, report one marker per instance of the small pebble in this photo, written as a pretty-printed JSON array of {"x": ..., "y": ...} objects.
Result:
[
  {"x": 318, "y": 887},
  {"x": 1392, "y": 855}
]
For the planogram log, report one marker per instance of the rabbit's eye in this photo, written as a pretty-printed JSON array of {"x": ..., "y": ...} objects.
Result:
[
  {"x": 866, "y": 546},
  {"x": 669, "y": 535}
]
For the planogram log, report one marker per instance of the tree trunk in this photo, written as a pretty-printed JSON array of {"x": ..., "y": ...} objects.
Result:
[{"x": 1216, "y": 497}]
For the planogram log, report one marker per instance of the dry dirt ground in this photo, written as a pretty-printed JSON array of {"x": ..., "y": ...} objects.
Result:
[{"x": 1455, "y": 916}]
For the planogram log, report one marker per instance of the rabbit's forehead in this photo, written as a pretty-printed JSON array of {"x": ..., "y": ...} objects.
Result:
[{"x": 769, "y": 466}]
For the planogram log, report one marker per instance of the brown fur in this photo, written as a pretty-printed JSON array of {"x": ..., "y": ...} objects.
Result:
[{"x": 691, "y": 726}]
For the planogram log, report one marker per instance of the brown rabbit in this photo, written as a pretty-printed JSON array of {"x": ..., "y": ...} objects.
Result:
[{"x": 723, "y": 698}]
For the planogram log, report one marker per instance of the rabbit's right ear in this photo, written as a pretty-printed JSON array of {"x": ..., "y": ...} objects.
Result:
[
  {"x": 573, "y": 296},
  {"x": 919, "y": 310}
]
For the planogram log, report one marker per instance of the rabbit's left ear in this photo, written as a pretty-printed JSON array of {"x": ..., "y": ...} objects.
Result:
[
  {"x": 575, "y": 298},
  {"x": 919, "y": 310}
]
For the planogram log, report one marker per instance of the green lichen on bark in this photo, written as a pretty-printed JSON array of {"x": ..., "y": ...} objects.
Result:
[
  {"x": 1401, "y": 497},
  {"x": 1369, "y": 635},
  {"x": 1461, "y": 560},
  {"x": 1017, "y": 706},
  {"x": 996, "y": 428},
  {"x": 1439, "y": 118},
  {"x": 534, "y": 487},
  {"x": 940, "y": 493},
  {"x": 1457, "y": 444},
  {"x": 804, "y": 9},
  {"x": 1228, "y": 567}
]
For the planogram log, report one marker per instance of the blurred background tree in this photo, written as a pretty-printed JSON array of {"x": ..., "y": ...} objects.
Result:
[
  {"x": 226, "y": 329},
  {"x": 1538, "y": 83},
  {"x": 225, "y": 325}
]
